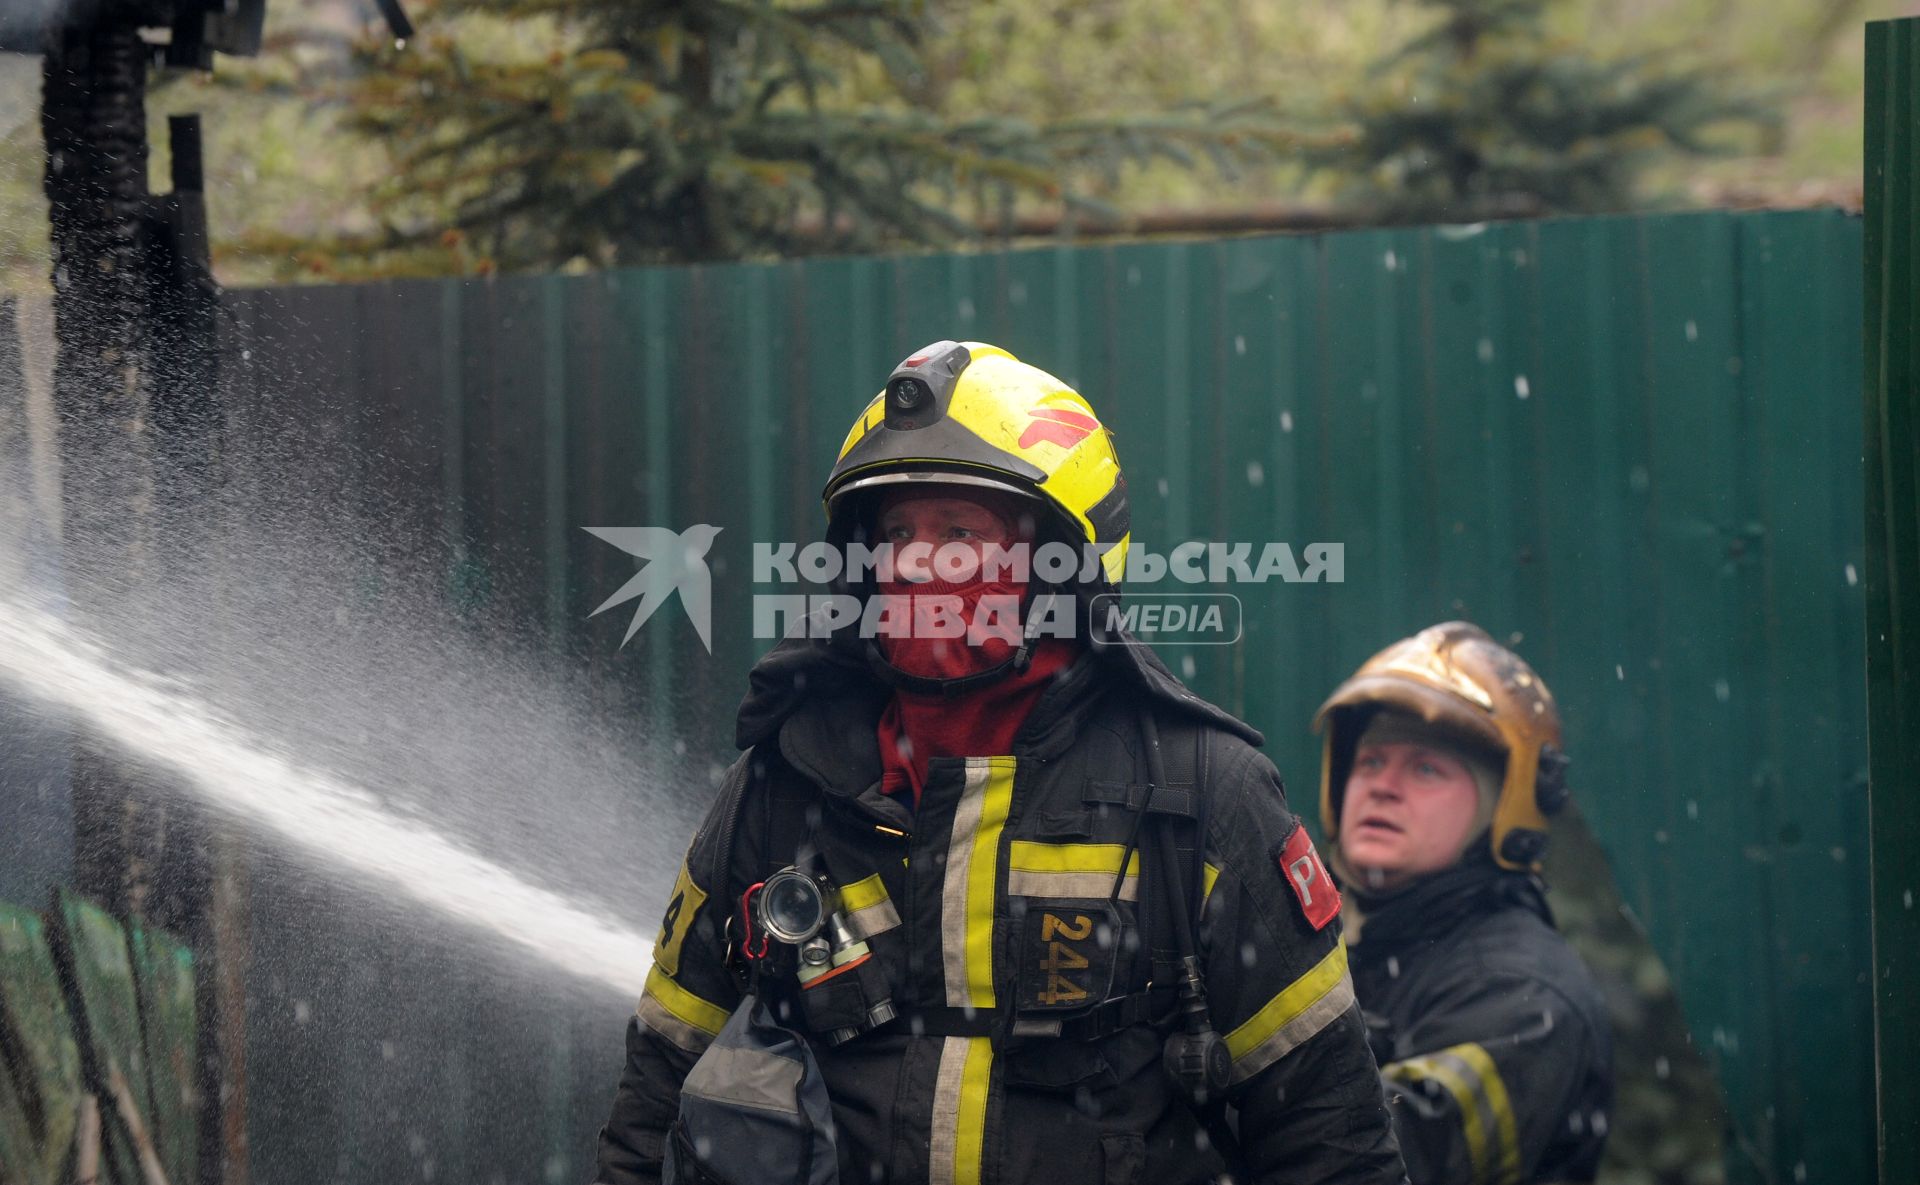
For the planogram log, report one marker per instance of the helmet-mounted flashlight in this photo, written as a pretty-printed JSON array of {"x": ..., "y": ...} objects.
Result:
[{"x": 908, "y": 394}]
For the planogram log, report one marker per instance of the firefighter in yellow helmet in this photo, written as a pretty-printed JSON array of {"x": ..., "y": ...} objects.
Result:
[
  {"x": 1441, "y": 767},
  {"x": 1005, "y": 906}
]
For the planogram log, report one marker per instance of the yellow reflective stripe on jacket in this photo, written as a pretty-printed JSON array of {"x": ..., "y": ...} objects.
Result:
[
  {"x": 678, "y": 1015},
  {"x": 869, "y": 909},
  {"x": 1070, "y": 870},
  {"x": 958, "y": 1140},
  {"x": 970, "y": 882},
  {"x": 1493, "y": 1089},
  {"x": 1292, "y": 1017},
  {"x": 1480, "y": 1095}
]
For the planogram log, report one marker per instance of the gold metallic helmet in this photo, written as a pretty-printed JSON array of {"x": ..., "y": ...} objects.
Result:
[
  {"x": 1456, "y": 677},
  {"x": 967, "y": 413}
]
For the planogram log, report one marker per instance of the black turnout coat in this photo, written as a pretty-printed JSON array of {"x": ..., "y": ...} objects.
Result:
[
  {"x": 1492, "y": 1037},
  {"x": 1028, "y": 1046}
]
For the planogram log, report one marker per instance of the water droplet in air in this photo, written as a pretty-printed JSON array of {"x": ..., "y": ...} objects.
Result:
[
  {"x": 1521, "y": 387},
  {"x": 1239, "y": 344},
  {"x": 1620, "y": 672},
  {"x": 1853, "y": 575},
  {"x": 1693, "y": 332},
  {"x": 1721, "y": 691},
  {"x": 1286, "y": 421},
  {"x": 1662, "y": 1068},
  {"x": 1485, "y": 349},
  {"x": 1256, "y": 476}
]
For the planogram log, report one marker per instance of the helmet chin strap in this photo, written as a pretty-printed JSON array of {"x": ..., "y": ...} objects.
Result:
[{"x": 951, "y": 689}]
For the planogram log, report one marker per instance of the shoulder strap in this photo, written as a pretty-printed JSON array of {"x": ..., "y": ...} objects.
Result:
[
  {"x": 1172, "y": 807},
  {"x": 1186, "y": 767},
  {"x": 783, "y": 814},
  {"x": 733, "y": 798},
  {"x": 1185, "y": 770},
  {"x": 784, "y": 830},
  {"x": 791, "y": 822}
]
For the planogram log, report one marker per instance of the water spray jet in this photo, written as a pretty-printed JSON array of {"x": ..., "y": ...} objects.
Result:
[{"x": 157, "y": 720}]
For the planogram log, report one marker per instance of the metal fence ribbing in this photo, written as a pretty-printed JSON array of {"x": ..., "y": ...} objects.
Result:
[{"x": 1628, "y": 443}]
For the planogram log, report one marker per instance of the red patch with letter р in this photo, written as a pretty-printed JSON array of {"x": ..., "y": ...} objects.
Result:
[{"x": 1303, "y": 869}]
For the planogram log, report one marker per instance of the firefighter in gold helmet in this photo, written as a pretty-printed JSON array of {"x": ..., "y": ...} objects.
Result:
[
  {"x": 1004, "y": 905},
  {"x": 1441, "y": 766}
]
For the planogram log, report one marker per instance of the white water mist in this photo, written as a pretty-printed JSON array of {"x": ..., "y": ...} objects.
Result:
[{"x": 161, "y": 721}]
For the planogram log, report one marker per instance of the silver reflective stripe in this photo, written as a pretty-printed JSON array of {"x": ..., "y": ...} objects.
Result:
[
  {"x": 746, "y": 1078},
  {"x": 677, "y": 1032},
  {"x": 877, "y": 918},
  {"x": 946, "y": 1111},
  {"x": 1081, "y": 886},
  {"x": 1496, "y": 1156},
  {"x": 1467, "y": 1072},
  {"x": 1298, "y": 1031},
  {"x": 953, "y": 891}
]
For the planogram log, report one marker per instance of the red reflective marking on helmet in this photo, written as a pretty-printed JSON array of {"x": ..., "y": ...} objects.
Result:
[
  {"x": 1064, "y": 428},
  {"x": 916, "y": 360},
  {"x": 1302, "y": 867}
]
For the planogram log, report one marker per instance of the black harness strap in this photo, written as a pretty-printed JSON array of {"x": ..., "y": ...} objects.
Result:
[{"x": 1176, "y": 799}]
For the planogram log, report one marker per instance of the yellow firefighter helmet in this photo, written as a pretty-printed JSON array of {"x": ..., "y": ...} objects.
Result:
[
  {"x": 1458, "y": 678},
  {"x": 968, "y": 413}
]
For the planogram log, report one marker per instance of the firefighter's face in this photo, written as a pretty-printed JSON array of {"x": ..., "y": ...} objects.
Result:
[
  {"x": 933, "y": 535},
  {"x": 1407, "y": 812}
]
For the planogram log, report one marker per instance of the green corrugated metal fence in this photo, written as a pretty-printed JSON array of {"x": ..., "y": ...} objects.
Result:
[
  {"x": 1630, "y": 445},
  {"x": 1893, "y": 574}
]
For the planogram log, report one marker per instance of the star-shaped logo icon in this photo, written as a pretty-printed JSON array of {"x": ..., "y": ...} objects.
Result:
[{"x": 676, "y": 560}]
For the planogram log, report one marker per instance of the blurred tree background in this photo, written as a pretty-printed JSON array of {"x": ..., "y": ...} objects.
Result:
[
  {"x": 558, "y": 133},
  {"x": 577, "y": 133}
]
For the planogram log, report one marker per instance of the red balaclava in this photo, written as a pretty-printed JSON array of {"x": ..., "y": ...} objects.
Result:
[{"x": 917, "y": 727}]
